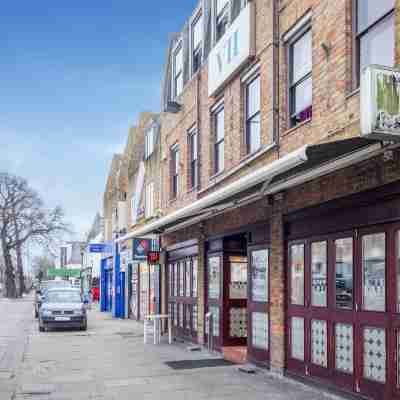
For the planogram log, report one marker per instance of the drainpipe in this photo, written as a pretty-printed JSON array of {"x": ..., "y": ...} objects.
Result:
[{"x": 275, "y": 75}]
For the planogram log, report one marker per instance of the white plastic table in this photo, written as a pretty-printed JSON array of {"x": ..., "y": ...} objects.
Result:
[{"x": 157, "y": 318}]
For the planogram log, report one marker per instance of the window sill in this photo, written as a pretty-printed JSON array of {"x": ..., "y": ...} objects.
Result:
[
  {"x": 245, "y": 161},
  {"x": 298, "y": 126}
]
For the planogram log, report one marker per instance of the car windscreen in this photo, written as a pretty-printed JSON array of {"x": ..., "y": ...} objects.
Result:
[{"x": 63, "y": 296}]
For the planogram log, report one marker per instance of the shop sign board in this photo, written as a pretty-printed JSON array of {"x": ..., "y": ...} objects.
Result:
[
  {"x": 235, "y": 47},
  {"x": 380, "y": 103},
  {"x": 153, "y": 257},
  {"x": 140, "y": 249}
]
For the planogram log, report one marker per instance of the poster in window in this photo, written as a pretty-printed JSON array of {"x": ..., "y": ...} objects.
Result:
[
  {"x": 238, "y": 281},
  {"x": 214, "y": 266},
  {"x": 259, "y": 275}
]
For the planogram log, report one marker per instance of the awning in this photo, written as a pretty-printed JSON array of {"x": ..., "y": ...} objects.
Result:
[{"x": 272, "y": 178}]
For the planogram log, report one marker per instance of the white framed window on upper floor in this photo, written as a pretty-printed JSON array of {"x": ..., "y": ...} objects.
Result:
[
  {"x": 175, "y": 169},
  {"x": 149, "y": 139},
  {"x": 193, "y": 142},
  {"x": 177, "y": 70},
  {"x": 374, "y": 34},
  {"x": 218, "y": 120},
  {"x": 196, "y": 42},
  {"x": 253, "y": 114},
  {"x": 299, "y": 47},
  {"x": 149, "y": 200}
]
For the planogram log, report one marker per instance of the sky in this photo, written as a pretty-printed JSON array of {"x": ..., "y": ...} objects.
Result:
[{"x": 74, "y": 75}]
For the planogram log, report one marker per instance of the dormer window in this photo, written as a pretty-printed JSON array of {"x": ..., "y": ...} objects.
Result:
[
  {"x": 149, "y": 142},
  {"x": 197, "y": 43},
  {"x": 177, "y": 82}
]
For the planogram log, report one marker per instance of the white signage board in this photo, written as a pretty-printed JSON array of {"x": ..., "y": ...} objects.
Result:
[
  {"x": 380, "y": 103},
  {"x": 232, "y": 50}
]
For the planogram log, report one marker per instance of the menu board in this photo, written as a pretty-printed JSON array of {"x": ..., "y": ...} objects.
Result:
[
  {"x": 214, "y": 271},
  {"x": 259, "y": 275}
]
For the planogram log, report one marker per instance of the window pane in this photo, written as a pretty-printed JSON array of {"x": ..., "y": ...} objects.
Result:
[
  {"x": 181, "y": 279},
  {"x": 178, "y": 61},
  {"x": 197, "y": 33},
  {"x": 215, "y": 320},
  {"x": 297, "y": 338},
  {"x": 238, "y": 322},
  {"x": 220, "y": 157},
  {"x": 188, "y": 278},
  {"x": 344, "y": 348},
  {"x": 175, "y": 280},
  {"x": 369, "y": 11},
  {"x": 302, "y": 96},
  {"x": 259, "y": 330},
  {"x": 377, "y": 46},
  {"x": 254, "y": 133},
  {"x": 374, "y": 266},
  {"x": 344, "y": 273},
  {"x": 319, "y": 347},
  {"x": 221, "y": 4},
  {"x": 259, "y": 275},
  {"x": 194, "y": 277},
  {"x": 220, "y": 125},
  {"x": 318, "y": 274},
  {"x": 297, "y": 274},
  {"x": 374, "y": 357},
  {"x": 302, "y": 57},
  {"x": 253, "y": 97},
  {"x": 194, "y": 318},
  {"x": 214, "y": 277},
  {"x": 238, "y": 278},
  {"x": 179, "y": 84}
]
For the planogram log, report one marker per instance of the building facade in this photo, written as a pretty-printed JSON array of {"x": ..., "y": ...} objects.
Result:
[{"x": 280, "y": 219}]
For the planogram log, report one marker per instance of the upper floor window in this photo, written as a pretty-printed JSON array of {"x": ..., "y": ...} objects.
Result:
[
  {"x": 222, "y": 18},
  {"x": 177, "y": 83},
  {"x": 375, "y": 34},
  {"x": 253, "y": 115},
  {"x": 197, "y": 43},
  {"x": 149, "y": 143},
  {"x": 194, "y": 162},
  {"x": 219, "y": 134},
  {"x": 300, "y": 77},
  {"x": 149, "y": 200},
  {"x": 175, "y": 171}
]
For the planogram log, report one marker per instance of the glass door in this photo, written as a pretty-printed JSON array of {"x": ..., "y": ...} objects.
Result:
[{"x": 258, "y": 305}]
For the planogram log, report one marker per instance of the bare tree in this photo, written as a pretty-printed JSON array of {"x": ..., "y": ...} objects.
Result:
[{"x": 23, "y": 217}]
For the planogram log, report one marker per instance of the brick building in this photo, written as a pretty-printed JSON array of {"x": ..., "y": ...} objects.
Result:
[{"x": 280, "y": 220}]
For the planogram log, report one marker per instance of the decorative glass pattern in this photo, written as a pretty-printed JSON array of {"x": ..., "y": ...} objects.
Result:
[
  {"x": 215, "y": 320},
  {"x": 319, "y": 348},
  {"x": 194, "y": 318},
  {"x": 180, "y": 311},
  {"x": 175, "y": 280},
  {"x": 194, "y": 278},
  {"x": 297, "y": 338},
  {"x": 374, "y": 269},
  {"x": 238, "y": 322},
  {"x": 187, "y": 277},
  {"x": 259, "y": 275},
  {"x": 182, "y": 279},
  {"x": 344, "y": 348},
  {"x": 318, "y": 274},
  {"x": 188, "y": 322},
  {"x": 214, "y": 277},
  {"x": 259, "y": 330},
  {"x": 297, "y": 274},
  {"x": 374, "y": 362},
  {"x": 344, "y": 273}
]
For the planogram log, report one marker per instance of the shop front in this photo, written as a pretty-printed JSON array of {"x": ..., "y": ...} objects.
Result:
[{"x": 106, "y": 274}]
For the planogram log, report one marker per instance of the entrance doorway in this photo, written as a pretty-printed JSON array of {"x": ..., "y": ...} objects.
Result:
[{"x": 343, "y": 309}]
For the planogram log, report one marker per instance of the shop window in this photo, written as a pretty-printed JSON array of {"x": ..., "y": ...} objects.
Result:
[
  {"x": 375, "y": 33},
  {"x": 177, "y": 65},
  {"x": 374, "y": 355},
  {"x": 175, "y": 314},
  {"x": 344, "y": 273},
  {"x": 259, "y": 330},
  {"x": 187, "y": 278},
  {"x": 297, "y": 274},
  {"x": 188, "y": 322},
  {"x": 215, "y": 320},
  {"x": 194, "y": 277},
  {"x": 219, "y": 137},
  {"x": 344, "y": 348},
  {"x": 194, "y": 318},
  {"x": 300, "y": 77},
  {"x": 214, "y": 271},
  {"x": 182, "y": 279},
  {"x": 253, "y": 115},
  {"x": 171, "y": 279},
  {"x": 180, "y": 313},
  {"x": 194, "y": 158},
  {"x": 259, "y": 272},
  {"x": 175, "y": 167},
  {"x": 176, "y": 280},
  {"x": 238, "y": 277},
  {"x": 319, "y": 282},
  {"x": 297, "y": 338},
  {"x": 197, "y": 43},
  {"x": 374, "y": 272}
]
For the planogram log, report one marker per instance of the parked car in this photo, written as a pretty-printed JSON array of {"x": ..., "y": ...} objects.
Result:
[
  {"x": 62, "y": 308},
  {"x": 43, "y": 288}
]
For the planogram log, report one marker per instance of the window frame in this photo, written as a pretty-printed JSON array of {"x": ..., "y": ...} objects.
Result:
[
  {"x": 217, "y": 143},
  {"x": 194, "y": 51},
  {"x": 357, "y": 36},
  {"x": 296, "y": 37},
  {"x": 194, "y": 174},
  {"x": 175, "y": 169},
  {"x": 149, "y": 142},
  {"x": 175, "y": 76},
  {"x": 248, "y": 118}
]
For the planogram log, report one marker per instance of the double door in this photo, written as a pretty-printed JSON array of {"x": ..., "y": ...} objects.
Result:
[{"x": 343, "y": 321}]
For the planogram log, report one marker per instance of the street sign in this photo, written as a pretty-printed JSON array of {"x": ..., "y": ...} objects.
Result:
[
  {"x": 97, "y": 248},
  {"x": 140, "y": 249}
]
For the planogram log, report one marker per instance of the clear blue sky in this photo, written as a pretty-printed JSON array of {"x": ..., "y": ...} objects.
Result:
[{"x": 73, "y": 77}]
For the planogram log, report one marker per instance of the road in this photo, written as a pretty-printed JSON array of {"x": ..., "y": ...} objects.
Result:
[{"x": 110, "y": 362}]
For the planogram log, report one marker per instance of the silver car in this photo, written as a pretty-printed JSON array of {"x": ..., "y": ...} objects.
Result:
[{"x": 62, "y": 308}]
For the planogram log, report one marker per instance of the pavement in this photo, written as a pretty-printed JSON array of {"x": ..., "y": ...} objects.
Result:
[{"x": 110, "y": 362}]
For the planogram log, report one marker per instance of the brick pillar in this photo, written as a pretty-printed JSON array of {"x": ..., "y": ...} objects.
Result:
[
  {"x": 201, "y": 290},
  {"x": 277, "y": 291}
]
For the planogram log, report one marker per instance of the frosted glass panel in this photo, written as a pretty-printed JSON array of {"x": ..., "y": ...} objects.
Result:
[
  {"x": 259, "y": 275},
  {"x": 297, "y": 338},
  {"x": 344, "y": 348},
  {"x": 259, "y": 330},
  {"x": 297, "y": 274},
  {"x": 374, "y": 363},
  {"x": 319, "y": 274},
  {"x": 319, "y": 349},
  {"x": 374, "y": 268}
]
